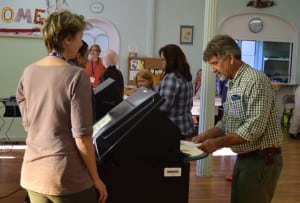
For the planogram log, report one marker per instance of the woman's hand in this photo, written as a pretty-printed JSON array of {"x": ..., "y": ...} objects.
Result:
[{"x": 100, "y": 186}]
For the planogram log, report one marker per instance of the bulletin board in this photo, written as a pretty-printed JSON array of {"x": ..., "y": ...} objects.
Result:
[{"x": 135, "y": 64}]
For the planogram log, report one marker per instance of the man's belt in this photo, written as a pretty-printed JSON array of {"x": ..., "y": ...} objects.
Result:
[{"x": 267, "y": 153}]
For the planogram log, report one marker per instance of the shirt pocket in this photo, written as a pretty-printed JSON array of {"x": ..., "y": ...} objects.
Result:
[{"x": 237, "y": 110}]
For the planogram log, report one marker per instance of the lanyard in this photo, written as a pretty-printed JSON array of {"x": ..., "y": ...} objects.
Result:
[
  {"x": 94, "y": 67},
  {"x": 56, "y": 54}
]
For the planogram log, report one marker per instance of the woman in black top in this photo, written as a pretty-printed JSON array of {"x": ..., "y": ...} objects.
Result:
[{"x": 110, "y": 62}]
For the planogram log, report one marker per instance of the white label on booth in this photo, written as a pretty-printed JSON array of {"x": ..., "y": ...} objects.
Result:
[{"x": 172, "y": 172}]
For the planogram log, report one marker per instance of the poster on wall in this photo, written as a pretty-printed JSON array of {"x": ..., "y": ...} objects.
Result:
[
  {"x": 135, "y": 66},
  {"x": 25, "y": 18}
]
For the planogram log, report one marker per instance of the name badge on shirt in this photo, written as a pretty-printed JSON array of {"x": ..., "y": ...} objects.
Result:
[
  {"x": 235, "y": 97},
  {"x": 92, "y": 79}
]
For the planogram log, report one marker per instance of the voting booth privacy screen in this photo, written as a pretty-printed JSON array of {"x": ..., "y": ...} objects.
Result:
[{"x": 137, "y": 131}]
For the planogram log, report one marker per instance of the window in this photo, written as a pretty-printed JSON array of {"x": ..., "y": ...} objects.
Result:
[
  {"x": 273, "y": 58},
  {"x": 252, "y": 53},
  {"x": 96, "y": 35},
  {"x": 103, "y": 33}
]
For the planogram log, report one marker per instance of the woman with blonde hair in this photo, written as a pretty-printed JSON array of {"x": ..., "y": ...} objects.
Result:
[
  {"x": 54, "y": 97},
  {"x": 144, "y": 78}
]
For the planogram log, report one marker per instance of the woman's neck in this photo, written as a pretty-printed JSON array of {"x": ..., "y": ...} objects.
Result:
[{"x": 96, "y": 59}]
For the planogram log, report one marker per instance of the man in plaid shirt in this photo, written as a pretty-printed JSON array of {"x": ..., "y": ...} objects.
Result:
[{"x": 250, "y": 125}]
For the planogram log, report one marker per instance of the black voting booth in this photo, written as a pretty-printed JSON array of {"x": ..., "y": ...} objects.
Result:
[
  {"x": 138, "y": 149},
  {"x": 106, "y": 96}
]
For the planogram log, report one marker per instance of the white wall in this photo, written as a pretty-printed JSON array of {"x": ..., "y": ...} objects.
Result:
[{"x": 173, "y": 13}]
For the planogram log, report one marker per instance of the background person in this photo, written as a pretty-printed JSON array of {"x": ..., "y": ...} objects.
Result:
[
  {"x": 110, "y": 61},
  {"x": 221, "y": 87},
  {"x": 177, "y": 88},
  {"x": 95, "y": 67},
  {"x": 197, "y": 83},
  {"x": 197, "y": 91},
  {"x": 59, "y": 163},
  {"x": 250, "y": 125},
  {"x": 81, "y": 57},
  {"x": 294, "y": 128},
  {"x": 81, "y": 60},
  {"x": 144, "y": 78}
]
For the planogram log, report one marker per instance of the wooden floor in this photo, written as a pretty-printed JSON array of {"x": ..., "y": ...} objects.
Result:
[{"x": 213, "y": 189}]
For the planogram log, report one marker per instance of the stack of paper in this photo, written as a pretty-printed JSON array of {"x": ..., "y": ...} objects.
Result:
[{"x": 190, "y": 148}]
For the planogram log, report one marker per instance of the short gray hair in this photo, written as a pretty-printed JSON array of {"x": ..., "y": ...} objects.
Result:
[{"x": 221, "y": 46}]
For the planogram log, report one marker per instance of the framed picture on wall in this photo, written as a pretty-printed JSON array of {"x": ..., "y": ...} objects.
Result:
[{"x": 186, "y": 34}]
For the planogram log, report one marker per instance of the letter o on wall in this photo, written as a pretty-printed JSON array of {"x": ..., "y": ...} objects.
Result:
[{"x": 7, "y": 14}]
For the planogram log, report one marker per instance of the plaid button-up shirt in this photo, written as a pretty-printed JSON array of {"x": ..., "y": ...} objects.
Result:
[
  {"x": 250, "y": 111},
  {"x": 178, "y": 93}
]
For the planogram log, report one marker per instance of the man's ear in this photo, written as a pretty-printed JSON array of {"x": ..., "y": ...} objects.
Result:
[{"x": 231, "y": 58}]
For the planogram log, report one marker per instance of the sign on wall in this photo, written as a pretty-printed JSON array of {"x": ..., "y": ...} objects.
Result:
[{"x": 26, "y": 17}]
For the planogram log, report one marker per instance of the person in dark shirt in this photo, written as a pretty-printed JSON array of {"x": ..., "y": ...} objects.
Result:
[
  {"x": 110, "y": 62},
  {"x": 221, "y": 86},
  {"x": 80, "y": 60},
  {"x": 81, "y": 56}
]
